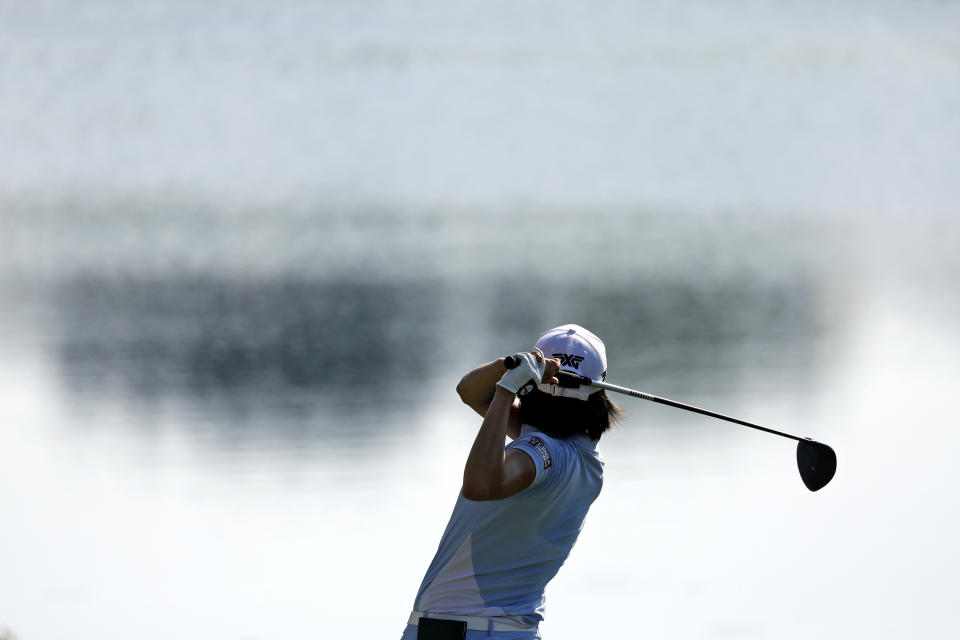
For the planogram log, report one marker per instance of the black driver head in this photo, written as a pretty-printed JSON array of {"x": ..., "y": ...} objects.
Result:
[{"x": 817, "y": 463}]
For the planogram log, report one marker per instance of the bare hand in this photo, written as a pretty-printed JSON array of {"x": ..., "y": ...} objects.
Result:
[{"x": 551, "y": 369}]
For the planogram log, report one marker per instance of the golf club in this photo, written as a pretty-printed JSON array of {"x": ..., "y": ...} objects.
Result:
[{"x": 816, "y": 461}]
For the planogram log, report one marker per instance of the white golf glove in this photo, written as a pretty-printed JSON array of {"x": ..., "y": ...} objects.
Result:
[{"x": 526, "y": 376}]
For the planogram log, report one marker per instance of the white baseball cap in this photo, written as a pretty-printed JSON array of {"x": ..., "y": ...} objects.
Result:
[{"x": 579, "y": 351}]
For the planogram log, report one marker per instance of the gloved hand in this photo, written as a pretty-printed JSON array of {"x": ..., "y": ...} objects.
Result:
[{"x": 525, "y": 377}]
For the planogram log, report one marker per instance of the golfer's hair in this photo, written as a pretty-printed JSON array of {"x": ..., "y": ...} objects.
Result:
[{"x": 564, "y": 417}]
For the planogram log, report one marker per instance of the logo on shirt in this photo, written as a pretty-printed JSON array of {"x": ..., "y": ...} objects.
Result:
[
  {"x": 541, "y": 448},
  {"x": 568, "y": 360}
]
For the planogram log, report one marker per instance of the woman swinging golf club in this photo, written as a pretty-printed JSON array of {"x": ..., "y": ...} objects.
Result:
[{"x": 522, "y": 506}]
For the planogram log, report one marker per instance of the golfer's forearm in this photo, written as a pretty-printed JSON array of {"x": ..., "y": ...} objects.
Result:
[
  {"x": 476, "y": 389},
  {"x": 484, "y": 472}
]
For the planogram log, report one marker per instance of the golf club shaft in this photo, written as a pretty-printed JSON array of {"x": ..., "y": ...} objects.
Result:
[
  {"x": 686, "y": 407},
  {"x": 572, "y": 379}
]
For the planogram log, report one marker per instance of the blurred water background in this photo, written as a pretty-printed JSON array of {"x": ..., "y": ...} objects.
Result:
[{"x": 248, "y": 249}]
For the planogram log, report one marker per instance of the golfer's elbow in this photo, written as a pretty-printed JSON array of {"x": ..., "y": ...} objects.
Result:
[
  {"x": 477, "y": 492},
  {"x": 462, "y": 390},
  {"x": 480, "y": 482},
  {"x": 469, "y": 397}
]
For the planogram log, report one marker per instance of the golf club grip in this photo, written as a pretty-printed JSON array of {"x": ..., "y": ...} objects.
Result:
[{"x": 566, "y": 378}]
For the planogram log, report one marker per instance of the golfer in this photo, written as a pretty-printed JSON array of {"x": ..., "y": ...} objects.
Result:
[{"x": 522, "y": 506}]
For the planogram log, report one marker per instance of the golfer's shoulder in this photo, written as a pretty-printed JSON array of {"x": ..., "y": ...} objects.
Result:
[
  {"x": 538, "y": 446},
  {"x": 548, "y": 452}
]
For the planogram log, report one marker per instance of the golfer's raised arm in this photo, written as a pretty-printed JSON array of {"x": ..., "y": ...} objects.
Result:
[
  {"x": 491, "y": 473},
  {"x": 477, "y": 387}
]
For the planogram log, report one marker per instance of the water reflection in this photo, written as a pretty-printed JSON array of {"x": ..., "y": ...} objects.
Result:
[
  {"x": 274, "y": 355},
  {"x": 244, "y": 349}
]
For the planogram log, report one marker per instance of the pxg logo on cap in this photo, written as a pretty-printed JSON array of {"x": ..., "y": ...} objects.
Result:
[{"x": 568, "y": 360}]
